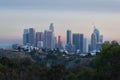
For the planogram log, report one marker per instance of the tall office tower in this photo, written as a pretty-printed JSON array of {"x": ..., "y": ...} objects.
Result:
[
  {"x": 59, "y": 43},
  {"x": 55, "y": 42},
  {"x": 81, "y": 42},
  {"x": 85, "y": 46},
  {"x": 39, "y": 38},
  {"x": 78, "y": 42},
  {"x": 101, "y": 38},
  {"x": 32, "y": 36},
  {"x": 89, "y": 48},
  {"x": 48, "y": 39},
  {"x": 25, "y": 36},
  {"x": 68, "y": 37},
  {"x": 69, "y": 46},
  {"x": 97, "y": 33},
  {"x": 93, "y": 42},
  {"x": 51, "y": 27},
  {"x": 96, "y": 40},
  {"x": 99, "y": 44}
]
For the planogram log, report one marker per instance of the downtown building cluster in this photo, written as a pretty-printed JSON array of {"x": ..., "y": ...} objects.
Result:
[
  {"x": 46, "y": 39},
  {"x": 75, "y": 42}
]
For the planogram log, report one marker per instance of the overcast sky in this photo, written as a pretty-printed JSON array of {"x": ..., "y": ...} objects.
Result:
[{"x": 77, "y": 15}]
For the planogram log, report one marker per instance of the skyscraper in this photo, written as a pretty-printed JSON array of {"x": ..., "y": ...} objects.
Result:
[
  {"x": 69, "y": 46},
  {"x": 39, "y": 37},
  {"x": 96, "y": 40},
  {"x": 101, "y": 38},
  {"x": 59, "y": 43},
  {"x": 32, "y": 36},
  {"x": 81, "y": 42},
  {"x": 93, "y": 42},
  {"x": 97, "y": 33},
  {"x": 48, "y": 39},
  {"x": 25, "y": 36},
  {"x": 68, "y": 37},
  {"x": 78, "y": 42},
  {"x": 51, "y": 27},
  {"x": 85, "y": 49}
]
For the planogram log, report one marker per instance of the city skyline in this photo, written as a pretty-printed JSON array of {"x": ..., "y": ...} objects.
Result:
[
  {"x": 77, "y": 15},
  {"x": 75, "y": 42}
]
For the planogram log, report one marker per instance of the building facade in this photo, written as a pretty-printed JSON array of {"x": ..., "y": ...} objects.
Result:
[
  {"x": 25, "y": 37},
  {"x": 32, "y": 37},
  {"x": 78, "y": 42}
]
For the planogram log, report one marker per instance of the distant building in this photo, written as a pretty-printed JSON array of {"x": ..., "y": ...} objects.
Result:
[
  {"x": 32, "y": 37},
  {"x": 39, "y": 37},
  {"x": 85, "y": 49},
  {"x": 93, "y": 42},
  {"x": 70, "y": 48},
  {"x": 96, "y": 40},
  {"x": 40, "y": 44},
  {"x": 97, "y": 33},
  {"x": 25, "y": 36},
  {"x": 59, "y": 43},
  {"x": 101, "y": 38},
  {"x": 81, "y": 42},
  {"x": 55, "y": 42},
  {"x": 51, "y": 27},
  {"x": 89, "y": 48},
  {"x": 78, "y": 42},
  {"x": 69, "y": 35},
  {"x": 48, "y": 39}
]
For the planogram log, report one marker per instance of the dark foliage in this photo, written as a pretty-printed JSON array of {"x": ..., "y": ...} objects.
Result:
[{"x": 105, "y": 66}]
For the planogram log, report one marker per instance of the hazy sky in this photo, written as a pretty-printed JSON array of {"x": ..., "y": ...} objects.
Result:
[{"x": 77, "y": 15}]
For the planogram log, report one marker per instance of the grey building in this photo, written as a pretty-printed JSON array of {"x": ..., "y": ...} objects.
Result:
[
  {"x": 78, "y": 41},
  {"x": 25, "y": 36},
  {"x": 32, "y": 36},
  {"x": 48, "y": 39},
  {"x": 69, "y": 35}
]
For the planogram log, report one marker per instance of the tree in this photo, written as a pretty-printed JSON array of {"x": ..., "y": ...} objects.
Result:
[{"x": 108, "y": 62}]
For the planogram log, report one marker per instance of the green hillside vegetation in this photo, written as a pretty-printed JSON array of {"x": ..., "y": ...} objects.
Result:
[{"x": 56, "y": 66}]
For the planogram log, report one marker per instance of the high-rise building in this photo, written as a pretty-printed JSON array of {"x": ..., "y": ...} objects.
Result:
[
  {"x": 78, "y": 42},
  {"x": 85, "y": 49},
  {"x": 59, "y": 43},
  {"x": 96, "y": 40},
  {"x": 32, "y": 36},
  {"x": 69, "y": 46},
  {"x": 69, "y": 37},
  {"x": 51, "y": 27},
  {"x": 39, "y": 37},
  {"x": 25, "y": 36},
  {"x": 48, "y": 39},
  {"x": 55, "y": 42},
  {"x": 93, "y": 42},
  {"x": 81, "y": 42},
  {"x": 101, "y": 38},
  {"x": 40, "y": 44},
  {"x": 97, "y": 33}
]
